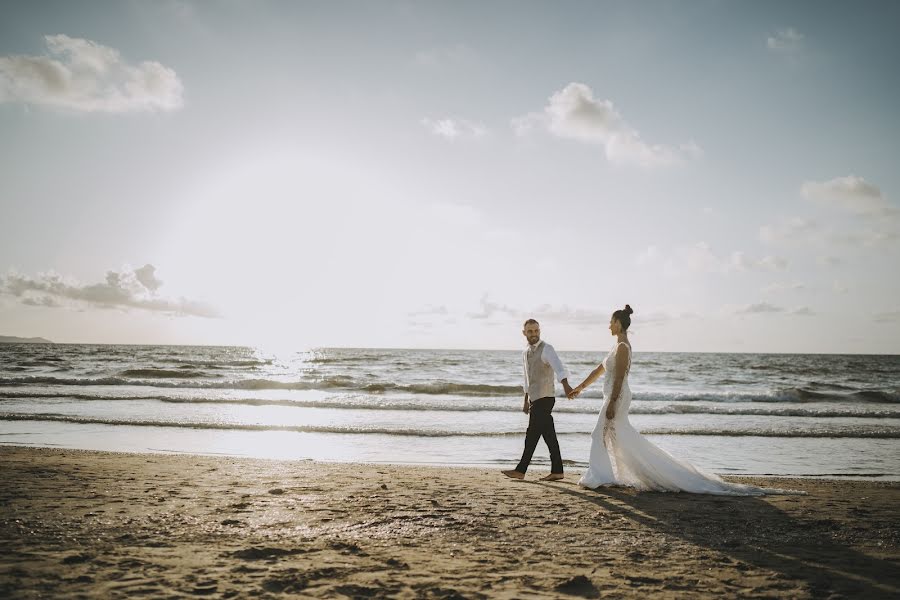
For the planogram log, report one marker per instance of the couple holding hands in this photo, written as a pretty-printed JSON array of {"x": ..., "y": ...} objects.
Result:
[{"x": 619, "y": 454}]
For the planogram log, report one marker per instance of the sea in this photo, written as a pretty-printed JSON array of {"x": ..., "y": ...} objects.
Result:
[{"x": 808, "y": 415}]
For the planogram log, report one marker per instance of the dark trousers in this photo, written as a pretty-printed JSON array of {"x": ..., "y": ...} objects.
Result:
[{"x": 540, "y": 424}]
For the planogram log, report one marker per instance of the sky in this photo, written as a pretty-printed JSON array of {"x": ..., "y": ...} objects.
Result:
[{"x": 430, "y": 174}]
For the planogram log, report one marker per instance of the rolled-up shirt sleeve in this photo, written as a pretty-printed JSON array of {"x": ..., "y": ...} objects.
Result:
[{"x": 550, "y": 357}]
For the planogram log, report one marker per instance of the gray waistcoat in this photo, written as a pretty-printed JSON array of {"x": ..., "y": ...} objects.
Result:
[{"x": 540, "y": 379}]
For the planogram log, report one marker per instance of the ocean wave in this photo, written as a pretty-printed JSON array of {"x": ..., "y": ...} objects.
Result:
[
  {"x": 216, "y": 364},
  {"x": 401, "y": 404},
  {"x": 844, "y": 432},
  {"x": 181, "y": 373},
  {"x": 453, "y": 389},
  {"x": 187, "y": 379},
  {"x": 336, "y": 382},
  {"x": 787, "y": 395},
  {"x": 40, "y": 363}
]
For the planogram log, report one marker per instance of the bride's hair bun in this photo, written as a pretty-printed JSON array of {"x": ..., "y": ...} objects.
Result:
[{"x": 623, "y": 316}]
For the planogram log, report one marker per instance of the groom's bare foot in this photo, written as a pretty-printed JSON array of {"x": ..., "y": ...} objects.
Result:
[
  {"x": 513, "y": 474},
  {"x": 553, "y": 477}
]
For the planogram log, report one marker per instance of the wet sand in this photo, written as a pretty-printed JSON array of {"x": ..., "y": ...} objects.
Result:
[{"x": 104, "y": 525}]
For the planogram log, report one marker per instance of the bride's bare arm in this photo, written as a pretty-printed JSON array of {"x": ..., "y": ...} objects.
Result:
[
  {"x": 595, "y": 374},
  {"x": 618, "y": 379}
]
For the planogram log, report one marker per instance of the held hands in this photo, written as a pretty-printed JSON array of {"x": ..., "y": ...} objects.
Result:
[{"x": 570, "y": 393}]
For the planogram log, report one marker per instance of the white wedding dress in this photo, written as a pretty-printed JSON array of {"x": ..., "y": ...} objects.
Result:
[{"x": 622, "y": 456}]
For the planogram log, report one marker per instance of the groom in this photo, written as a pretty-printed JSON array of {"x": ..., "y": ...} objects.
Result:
[{"x": 541, "y": 363}]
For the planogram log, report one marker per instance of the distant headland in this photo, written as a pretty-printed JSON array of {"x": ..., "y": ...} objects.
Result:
[{"x": 10, "y": 339}]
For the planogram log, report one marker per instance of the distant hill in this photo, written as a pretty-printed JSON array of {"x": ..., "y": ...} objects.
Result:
[{"x": 9, "y": 339}]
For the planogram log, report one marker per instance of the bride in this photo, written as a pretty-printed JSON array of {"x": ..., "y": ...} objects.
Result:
[{"x": 622, "y": 456}]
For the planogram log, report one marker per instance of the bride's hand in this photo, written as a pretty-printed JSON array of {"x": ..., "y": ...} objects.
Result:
[{"x": 610, "y": 412}]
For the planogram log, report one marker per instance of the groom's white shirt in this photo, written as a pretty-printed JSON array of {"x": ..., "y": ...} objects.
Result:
[{"x": 548, "y": 357}]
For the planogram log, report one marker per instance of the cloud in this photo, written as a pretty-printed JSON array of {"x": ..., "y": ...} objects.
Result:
[
  {"x": 828, "y": 261},
  {"x": 892, "y": 316},
  {"x": 84, "y": 76},
  {"x": 766, "y": 308},
  {"x": 700, "y": 258},
  {"x": 574, "y": 113},
  {"x": 44, "y": 301},
  {"x": 850, "y": 193},
  {"x": 453, "y": 129},
  {"x": 584, "y": 317},
  {"x": 489, "y": 309},
  {"x": 429, "y": 317},
  {"x": 146, "y": 275},
  {"x": 758, "y": 308},
  {"x": 430, "y": 311},
  {"x": 785, "y": 40},
  {"x": 126, "y": 289},
  {"x": 544, "y": 312},
  {"x": 572, "y": 316},
  {"x": 784, "y": 287},
  {"x": 547, "y": 314},
  {"x": 876, "y": 222},
  {"x": 741, "y": 262},
  {"x": 789, "y": 230}
]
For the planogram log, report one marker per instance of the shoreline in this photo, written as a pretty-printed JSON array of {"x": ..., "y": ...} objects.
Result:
[
  {"x": 538, "y": 464},
  {"x": 87, "y": 523}
]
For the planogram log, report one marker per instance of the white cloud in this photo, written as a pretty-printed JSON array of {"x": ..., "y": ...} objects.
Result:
[
  {"x": 828, "y": 261},
  {"x": 766, "y": 308},
  {"x": 126, "y": 289},
  {"x": 430, "y": 311},
  {"x": 80, "y": 75},
  {"x": 741, "y": 262},
  {"x": 146, "y": 275},
  {"x": 574, "y": 113},
  {"x": 892, "y": 316},
  {"x": 494, "y": 313},
  {"x": 785, "y": 40},
  {"x": 850, "y": 193},
  {"x": 429, "y": 317},
  {"x": 453, "y": 129},
  {"x": 700, "y": 258},
  {"x": 789, "y": 230},
  {"x": 489, "y": 309},
  {"x": 784, "y": 287},
  {"x": 573, "y": 316},
  {"x": 876, "y": 222},
  {"x": 758, "y": 308}
]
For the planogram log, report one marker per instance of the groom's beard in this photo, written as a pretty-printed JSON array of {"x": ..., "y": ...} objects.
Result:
[{"x": 534, "y": 340}]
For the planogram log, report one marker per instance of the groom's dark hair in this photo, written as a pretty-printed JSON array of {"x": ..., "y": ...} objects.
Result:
[{"x": 529, "y": 322}]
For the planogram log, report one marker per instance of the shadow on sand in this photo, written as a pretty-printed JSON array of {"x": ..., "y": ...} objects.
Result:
[{"x": 752, "y": 531}]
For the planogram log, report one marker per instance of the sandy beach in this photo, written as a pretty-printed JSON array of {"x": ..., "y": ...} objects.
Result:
[{"x": 89, "y": 524}]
